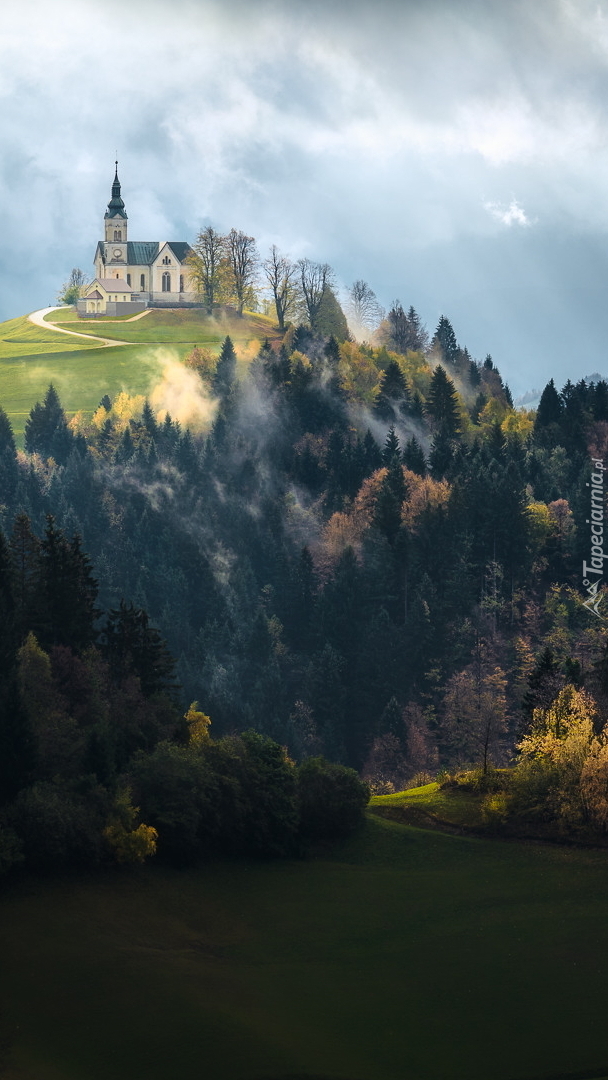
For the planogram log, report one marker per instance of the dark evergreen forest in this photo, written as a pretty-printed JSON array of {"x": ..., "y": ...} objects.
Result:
[{"x": 369, "y": 555}]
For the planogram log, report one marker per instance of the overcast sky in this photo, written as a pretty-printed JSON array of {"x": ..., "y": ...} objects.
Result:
[{"x": 453, "y": 153}]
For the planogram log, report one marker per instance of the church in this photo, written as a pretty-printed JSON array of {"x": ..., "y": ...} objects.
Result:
[{"x": 132, "y": 275}]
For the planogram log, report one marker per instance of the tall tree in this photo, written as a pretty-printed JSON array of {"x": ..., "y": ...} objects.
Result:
[
  {"x": 132, "y": 646},
  {"x": 364, "y": 311},
  {"x": 549, "y": 416},
  {"x": 404, "y": 333},
  {"x": 66, "y": 591},
  {"x": 205, "y": 265},
  {"x": 225, "y": 372},
  {"x": 393, "y": 394},
  {"x": 281, "y": 274},
  {"x": 442, "y": 403},
  {"x": 8, "y": 458},
  {"x": 46, "y": 430},
  {"x": 444, "y": 341},
  {"x": 24, "y": 549},
  {"x": 243, "y": 260},
  {"x": 315, "y": 278}
]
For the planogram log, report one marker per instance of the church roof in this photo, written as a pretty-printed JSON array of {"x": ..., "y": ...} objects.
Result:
[
  {"x": 116, "y": 207},
  {"x": 144, "y": 252},
  {"x": 180, "y": 249},
  {"x": 114, "y": 284},
  {"x": 141, "y": 252},
  {"x": 95, "y": 295}
]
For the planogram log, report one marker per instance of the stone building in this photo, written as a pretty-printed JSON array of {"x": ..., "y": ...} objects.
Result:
[{"x": 144, "y": 273}]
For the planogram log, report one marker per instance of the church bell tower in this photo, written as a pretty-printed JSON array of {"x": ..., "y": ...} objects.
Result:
[{"x": 115, "y": 222}]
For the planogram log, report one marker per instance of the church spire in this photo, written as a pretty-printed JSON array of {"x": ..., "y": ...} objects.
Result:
[{"x": 116, "y": 207}]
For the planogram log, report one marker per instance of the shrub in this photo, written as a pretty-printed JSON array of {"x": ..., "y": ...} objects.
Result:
[
  {"x": 495, "y": 809},
  {"x": 128, "y": 841},
  {"x": 58, "y": 826},
  {"x": 331, "y": 799}
]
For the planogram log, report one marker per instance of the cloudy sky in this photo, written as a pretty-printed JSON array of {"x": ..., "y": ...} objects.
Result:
[{"x": 454, "y": 153}]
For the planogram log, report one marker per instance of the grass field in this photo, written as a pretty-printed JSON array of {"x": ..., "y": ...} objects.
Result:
[
  {"x": 406, "y": 955},
  {"x": 83, "y": 371},
  {"x": 189, "y": 326}
]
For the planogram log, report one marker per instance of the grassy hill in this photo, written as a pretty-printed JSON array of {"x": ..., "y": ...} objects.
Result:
[
  {"x": 405, "y": 954},
  {"x": 83, "y": 371}
]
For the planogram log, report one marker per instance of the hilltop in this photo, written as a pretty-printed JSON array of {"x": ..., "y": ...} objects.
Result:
[{"x": 83, "y": 370}]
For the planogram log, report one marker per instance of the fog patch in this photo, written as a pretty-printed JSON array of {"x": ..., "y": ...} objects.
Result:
[{"x": 181, "y": 393}]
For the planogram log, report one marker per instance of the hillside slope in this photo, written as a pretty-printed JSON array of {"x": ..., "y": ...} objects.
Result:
[{"x": 82, "y": 372}]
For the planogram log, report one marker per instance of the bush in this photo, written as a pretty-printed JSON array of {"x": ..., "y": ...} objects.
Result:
[
  {"x": 495, "y": 809},
  {"x": 475, "y": 780},
  {"x": 268, "y": 785},
  {"x": 58, "y": 826},
  {"x": 177, "y": 793},
  {"x": 331, "y": 799},
  {"x": 231, "y": 796}
]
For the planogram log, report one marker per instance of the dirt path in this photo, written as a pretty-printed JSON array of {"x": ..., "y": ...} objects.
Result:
[{"x": 37, "y": 318}]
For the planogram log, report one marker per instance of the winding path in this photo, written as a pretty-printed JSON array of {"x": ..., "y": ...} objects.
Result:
[{"x": 37, "y": 318}]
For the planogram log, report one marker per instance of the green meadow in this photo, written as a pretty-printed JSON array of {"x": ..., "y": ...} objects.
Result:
[
  {"x": 402, "y": 955},
  {"x": 83, "y": 371}
]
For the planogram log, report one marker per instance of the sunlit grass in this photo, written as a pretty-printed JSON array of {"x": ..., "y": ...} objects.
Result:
[
  {"x": 406, "y": 955},
  {"x": 82, "y": 371},
  {"x": 21, "y": 338},
  {"x": 81, "y": 378},
  {"x": 189, "y": 325},
  {"x": 455, "y": 806}
]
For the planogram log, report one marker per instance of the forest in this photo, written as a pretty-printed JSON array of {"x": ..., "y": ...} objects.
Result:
[{"x": 365, "y": 571}]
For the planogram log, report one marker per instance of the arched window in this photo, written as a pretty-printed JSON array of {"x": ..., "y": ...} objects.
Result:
[
  {"x": 166, "y": 282},
  {"x": 142, "y": 282},
  {"x": 118, "y": 275},
  {"x": 181, "y": 282},
  {"x": 128, "y": 279},
  {"x": 117, "y": 234},
  {"x": 167, "y": 261}
]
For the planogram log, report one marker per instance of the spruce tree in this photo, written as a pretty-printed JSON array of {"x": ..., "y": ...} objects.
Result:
[
  {"x": 46, "y": 430},
  {"x": 413, "y": 456},
  {"x": 547, "y": 426},
  {"x": 392, "y": 447},
  {"x": 442, "y": 403},
  {"x": 8, "y": 459},
  {"x": 445, "y": 341},
  {"x": 393, "y": 394},
  {"x": 225, "y": 372}
]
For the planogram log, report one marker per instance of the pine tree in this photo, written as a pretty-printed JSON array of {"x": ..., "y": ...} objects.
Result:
[
  {"x": 46, "y": 430},
  {"x": 392, "y": 495},
  {"x": 131, "y": 646},
  {"x": 64, "y": 611},
  {"x": 441, "y": 455},
  {"x": 547, "y": 426},
  {"x": 225, "y": 372},
  {"x": 392, "y": 447},
  {"x": 445, "y": 341},
  {"x": 413, "y": 456},
  {"x": 9, "y": 472},
  {"x": 24, "y": 549},
  {"x": 442, "y": 403},
  {"x": 393, "y": 394}
]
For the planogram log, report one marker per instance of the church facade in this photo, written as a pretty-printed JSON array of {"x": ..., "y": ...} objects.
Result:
[{"x": 132, "y": 275}]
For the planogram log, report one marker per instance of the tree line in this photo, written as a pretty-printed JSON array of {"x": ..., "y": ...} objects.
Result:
[{"x": 372, "y": 572}]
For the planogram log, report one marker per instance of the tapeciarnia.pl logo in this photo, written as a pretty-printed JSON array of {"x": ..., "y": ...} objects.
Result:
[{"x": 595, "y": 568}]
